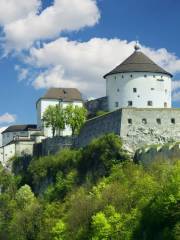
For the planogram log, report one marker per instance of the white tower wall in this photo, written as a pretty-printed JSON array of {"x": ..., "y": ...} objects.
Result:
[{"x": 141, "y": 89}]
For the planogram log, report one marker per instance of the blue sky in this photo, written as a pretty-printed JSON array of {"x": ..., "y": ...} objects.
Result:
[{"x": 89, "y": 42}]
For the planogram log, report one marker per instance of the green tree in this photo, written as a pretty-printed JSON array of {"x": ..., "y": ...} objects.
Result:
[
  {"x": 59, "y": 231},
  {"x": 54, "y": 117},
  {"x": 75, "y": 117}
]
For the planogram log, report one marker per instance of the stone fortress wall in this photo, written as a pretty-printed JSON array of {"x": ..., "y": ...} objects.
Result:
[
  {"x": 137, "y": 127},
  {"x": 95, "y": 105}
]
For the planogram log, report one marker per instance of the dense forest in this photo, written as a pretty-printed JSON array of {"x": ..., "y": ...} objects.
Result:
[{"x": 94, "y": 193}]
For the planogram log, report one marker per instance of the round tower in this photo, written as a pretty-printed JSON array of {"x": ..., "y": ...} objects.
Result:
[{"x": 138, "y": 82}]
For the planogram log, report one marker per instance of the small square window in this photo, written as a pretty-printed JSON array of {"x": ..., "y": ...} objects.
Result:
[
  {"x": 144, "y": 121},
  {"x": 131, "y": 75},
  {"x": 152, "y": 89},
  {"x": 134, "y": 90},
  {"x": 158, "y": 120},
  {"x": 116, "y": 104},
  {"x": 130, "y": 103},
  {"x": 145, "y": 75},
  {"x": 154, "y": 76},
  {"x": 129, "y": 121},
  {"x": 118, "y": 90},
  {"x": 173, "y": 121},
  {"x": 149, "y": 103}
]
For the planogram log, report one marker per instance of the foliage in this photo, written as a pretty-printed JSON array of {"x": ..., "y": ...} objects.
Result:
[
  {"x": 93, "y": 193},
  {"x": 58, "y": 117},
  {"x": 54, "y": 117},
  {"x": 75, "y": 117}
]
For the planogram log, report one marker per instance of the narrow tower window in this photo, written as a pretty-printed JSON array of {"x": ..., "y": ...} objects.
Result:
[
  {"x": 116, "y": 104},
  {"x": 158, "y": 120},
  {"x": 144, "y": 121},
  {"x": 149, "y": 103},
  {"x": 134, "y": 90},
  {"x": 129, "y": 121},
  {"x": 173, "y": 121},
  {"x": 130, "y": 103},
  {"x": 165, "y": 104}
]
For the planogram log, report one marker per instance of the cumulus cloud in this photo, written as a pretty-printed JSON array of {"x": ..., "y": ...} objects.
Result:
[
  {"x": 62, "y": 16},
  {"x": 13, "y": 10},
  {"x": 83, "y": 64},
  {"x": 23, "y": 73},
  {"x": 7, "y": 118}
]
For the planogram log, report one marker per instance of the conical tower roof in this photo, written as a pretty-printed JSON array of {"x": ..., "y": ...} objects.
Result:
[{"x": 138, "y": 62}]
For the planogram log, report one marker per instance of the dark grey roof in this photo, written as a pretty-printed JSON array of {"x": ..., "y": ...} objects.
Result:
[
  {"x": 20, "y": 128},
  {"x": 65, "y": 94},
  {"x": 138, "y": 62}
]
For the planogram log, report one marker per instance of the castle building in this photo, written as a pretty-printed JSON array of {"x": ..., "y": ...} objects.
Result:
[
  {"x": 137, "y": 104},
  {"x": 138, "y": 82},
  {"x": 57, "y": 96}
]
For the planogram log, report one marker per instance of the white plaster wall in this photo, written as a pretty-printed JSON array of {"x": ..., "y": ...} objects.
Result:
[
  {"x": 9, "y": 136},
  {"x": 7, "y": 152},
  {"x": 154, "y": 87},
  {"x": 24, "y": 148},
  {"x": 42, "y": 106},
  {"x": 1, "y": 154}
]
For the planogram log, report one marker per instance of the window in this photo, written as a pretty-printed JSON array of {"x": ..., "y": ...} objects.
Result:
[
  {"x": 152, "y": 89},
  {"x": 149, "y": 103},
  {"x": 144, "y": 121},
  {"x": 115, "y": 77},
  {"x": 134, "y": 90},
  {"x": 122, "y": 76},
  {"x": 165, "y": 90},
  {"x": 129, "y": 121},
  {"x": 165, "y": 104},
  {"x": 145, "y": 75},
  {"x": 173, "y": 121},
  {"x": 116, "y": 104},
  {"x": 131, "y": 75},
  {"x": 118, "y": 90},
  {"x": 158, "y": 120},
  {"x": 160, "y": 80},
  {"x": 130, "y": 103},
  {"x": 154, "y": 76}
]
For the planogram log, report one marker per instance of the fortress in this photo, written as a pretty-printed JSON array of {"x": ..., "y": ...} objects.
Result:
[{"x": 137, "y": 107}]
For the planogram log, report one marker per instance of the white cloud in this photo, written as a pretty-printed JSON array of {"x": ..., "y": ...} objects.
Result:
[
  {"x": 176, "y": 90},
  {"x": 12, "y": 10},
  {"x": 63, "y": 15},
  {"x": 82, "y": 64},
  {"x": 23, "y": 73},
  {"x": 7, "y": 118},
  {"x": 175, "y": 85}
]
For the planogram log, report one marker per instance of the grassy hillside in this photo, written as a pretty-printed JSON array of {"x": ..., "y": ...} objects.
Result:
[{"x": 95, "y": 193}]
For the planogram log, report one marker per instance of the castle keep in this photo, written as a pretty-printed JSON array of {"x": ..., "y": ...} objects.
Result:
[
  {"x": 137, "y": 107},
  {"x": 138, "y": 99}
]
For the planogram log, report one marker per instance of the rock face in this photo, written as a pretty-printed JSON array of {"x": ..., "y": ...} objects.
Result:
[{"x": 168, "y": 152}]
